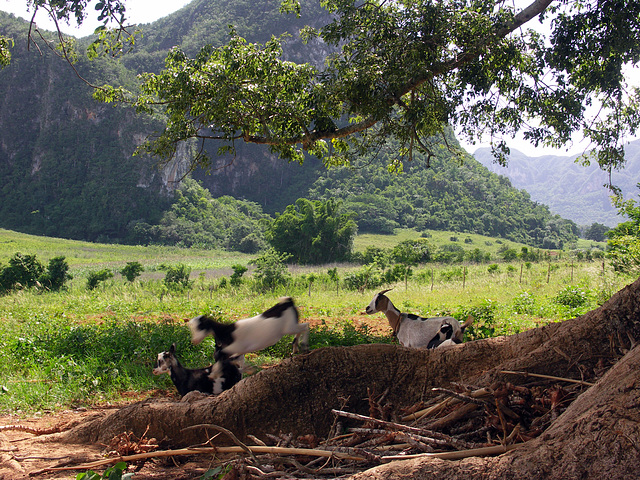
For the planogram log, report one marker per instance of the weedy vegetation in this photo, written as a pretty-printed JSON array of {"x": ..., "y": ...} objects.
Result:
[{"x": 94, "y": 339}]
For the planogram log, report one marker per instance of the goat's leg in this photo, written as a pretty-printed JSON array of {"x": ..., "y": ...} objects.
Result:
[{"x": 301, "y": 340}]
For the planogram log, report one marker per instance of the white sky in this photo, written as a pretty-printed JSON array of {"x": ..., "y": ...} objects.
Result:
[
  {"x": 147, "y": 11},
  {"x": 138, "y": 11}
]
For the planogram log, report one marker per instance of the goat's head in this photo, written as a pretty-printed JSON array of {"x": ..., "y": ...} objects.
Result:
[
  {"x": 165, "y": 361},
  {"x": 379, "y": 303}
]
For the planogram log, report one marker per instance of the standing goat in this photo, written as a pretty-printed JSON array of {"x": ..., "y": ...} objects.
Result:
[
  {"x": 417, "y": 332},
  {"x": 213, "y": 379},
  {"x": 255, "y": 333}
]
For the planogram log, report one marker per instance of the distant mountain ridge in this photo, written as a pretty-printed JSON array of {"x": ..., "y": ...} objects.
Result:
[{"x": 570, "y": 190}]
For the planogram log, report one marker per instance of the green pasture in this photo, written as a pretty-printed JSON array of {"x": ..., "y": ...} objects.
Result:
[{"x": 80, "y": 347}]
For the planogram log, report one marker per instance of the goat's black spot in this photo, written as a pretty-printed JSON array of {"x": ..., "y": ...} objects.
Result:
[
  {"x": 223, "y": 332},
  {"x": 278, "y": 309},
  {"x": 413, "y": 316},
  {"x": 447, "y": 330},
  {"x": 434, "y": 342}
]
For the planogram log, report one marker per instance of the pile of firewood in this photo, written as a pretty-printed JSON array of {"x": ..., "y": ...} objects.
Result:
[{"x": 454, "y": 423}]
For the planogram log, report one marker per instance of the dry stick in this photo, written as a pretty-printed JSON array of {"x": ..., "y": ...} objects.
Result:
[
  {"x": 459, "y": 396},
  {"x": 227, "y": 432},
  {"x": 429, "y": 410},
  {"x": 452, "y": 417},
  {"x": 403, "y": 428},
  {"x": 199, "y": 451},
  {"x": 481, "y": 392},
  {"x": 474, "y": 452},
  {"x": 549, "y": 377}
]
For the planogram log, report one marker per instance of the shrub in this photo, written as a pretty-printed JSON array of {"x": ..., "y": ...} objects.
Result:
[
  {"x": 56, "y": 275},
  {"x": 23, "y": 272},
  {"x": 131, "y": 271},
  {"x": 572, "y": 297},
  {"x": 524, "y": 304},
  {"x": 271, "y": 271},
  {"x": 236, "y": 277},
  {"x": 95, "y": 278},
  {"x": 177, "y": 277}
]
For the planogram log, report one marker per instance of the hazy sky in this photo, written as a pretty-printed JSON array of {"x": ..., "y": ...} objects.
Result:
[
  {"x": 147, "y": 11},
  {"x": 138, "y": 11}
]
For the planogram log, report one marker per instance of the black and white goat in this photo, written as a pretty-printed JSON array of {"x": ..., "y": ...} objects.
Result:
[
  {"x": 255, "y": 333},
  {"x": 213, "y": 379},
  {"x": 418, "y": 332}
]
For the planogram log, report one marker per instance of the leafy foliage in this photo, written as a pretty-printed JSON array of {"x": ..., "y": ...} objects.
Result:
[
  {"x": 177, "y": 276},
  {"x": 406, "y": 71},
  {"x": 271, "y": 270},
  {"x": 624, "y": 240},
  {"x": 95, "y": 278},
  {"x": 197, "y": 219},
  {"x": 115, "y": 472},
  {"x": 132, "y": 270},
  {"x": 313, "y": 232},
  {"x": 26, "y": 271}
]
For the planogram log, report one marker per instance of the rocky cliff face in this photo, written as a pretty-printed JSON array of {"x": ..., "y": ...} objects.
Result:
[{"x": 66, "y": 160}]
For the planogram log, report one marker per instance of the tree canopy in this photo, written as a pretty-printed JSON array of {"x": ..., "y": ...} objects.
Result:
[{"x": 405, "y": 71}]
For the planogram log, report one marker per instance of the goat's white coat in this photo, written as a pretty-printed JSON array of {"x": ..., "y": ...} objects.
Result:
[
  {"x": 414, "y": 331},
  {"x": 259, "y": 332}
]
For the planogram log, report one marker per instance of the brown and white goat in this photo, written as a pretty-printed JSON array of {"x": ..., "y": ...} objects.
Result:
[{"x": 418, "y": 332}]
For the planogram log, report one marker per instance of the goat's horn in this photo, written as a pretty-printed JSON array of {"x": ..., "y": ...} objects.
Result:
[{"x": 385, "y": 291}]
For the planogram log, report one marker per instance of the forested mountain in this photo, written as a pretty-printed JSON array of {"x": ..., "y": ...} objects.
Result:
[
  {"x": 67, "y": 170},
  {"x": 571, "y": 190}
]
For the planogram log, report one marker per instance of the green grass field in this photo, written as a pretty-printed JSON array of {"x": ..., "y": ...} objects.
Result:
[{"x": 81, "y": 347}]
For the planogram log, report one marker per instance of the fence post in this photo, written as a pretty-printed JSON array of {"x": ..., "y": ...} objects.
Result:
[{"x": 521, "y": 266}]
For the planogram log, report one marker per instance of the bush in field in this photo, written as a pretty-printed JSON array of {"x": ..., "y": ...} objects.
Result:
[
  {"x": 236, "y": 278},
  {"x": 484, "y": 321},
  {"x": 177, "y": 277},
  {"x": 493, "y": 268},
  {"x": 271, "y": 271},
  {"x": 25, "y": 271},
  {"x": 131, "y": 271},
  {"x": 524, "y": 304},
  {"x": 95, "y": 278},
  {"x": 572, "y": 297},
  {"x": 56, "y": 275}
]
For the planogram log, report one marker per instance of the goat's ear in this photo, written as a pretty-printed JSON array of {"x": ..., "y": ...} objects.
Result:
[
  {"x": 172, "y": 348},
  {"x": 468, "y": 323}
]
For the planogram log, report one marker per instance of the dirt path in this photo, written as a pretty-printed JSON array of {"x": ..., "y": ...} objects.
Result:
[{"x": 25, "y": 455}]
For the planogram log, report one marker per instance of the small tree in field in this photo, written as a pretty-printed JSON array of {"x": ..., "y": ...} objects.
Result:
[
  {"x": 236, "y": 278},
  {"x": 56, "y": 275},
  {"x": 177, "y": 277},
  {"x": 271, "y": 270},
  {"x": 131, "y": 271},
  {"x": 95, "y": 278}
]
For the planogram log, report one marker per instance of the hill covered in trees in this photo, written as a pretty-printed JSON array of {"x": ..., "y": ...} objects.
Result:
[
  {"x": 68, "y": 171},
  {"x": 571, "y": 190}
]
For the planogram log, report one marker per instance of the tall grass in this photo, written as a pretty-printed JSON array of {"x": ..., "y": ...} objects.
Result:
[{"x": 80, "y": 346}]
